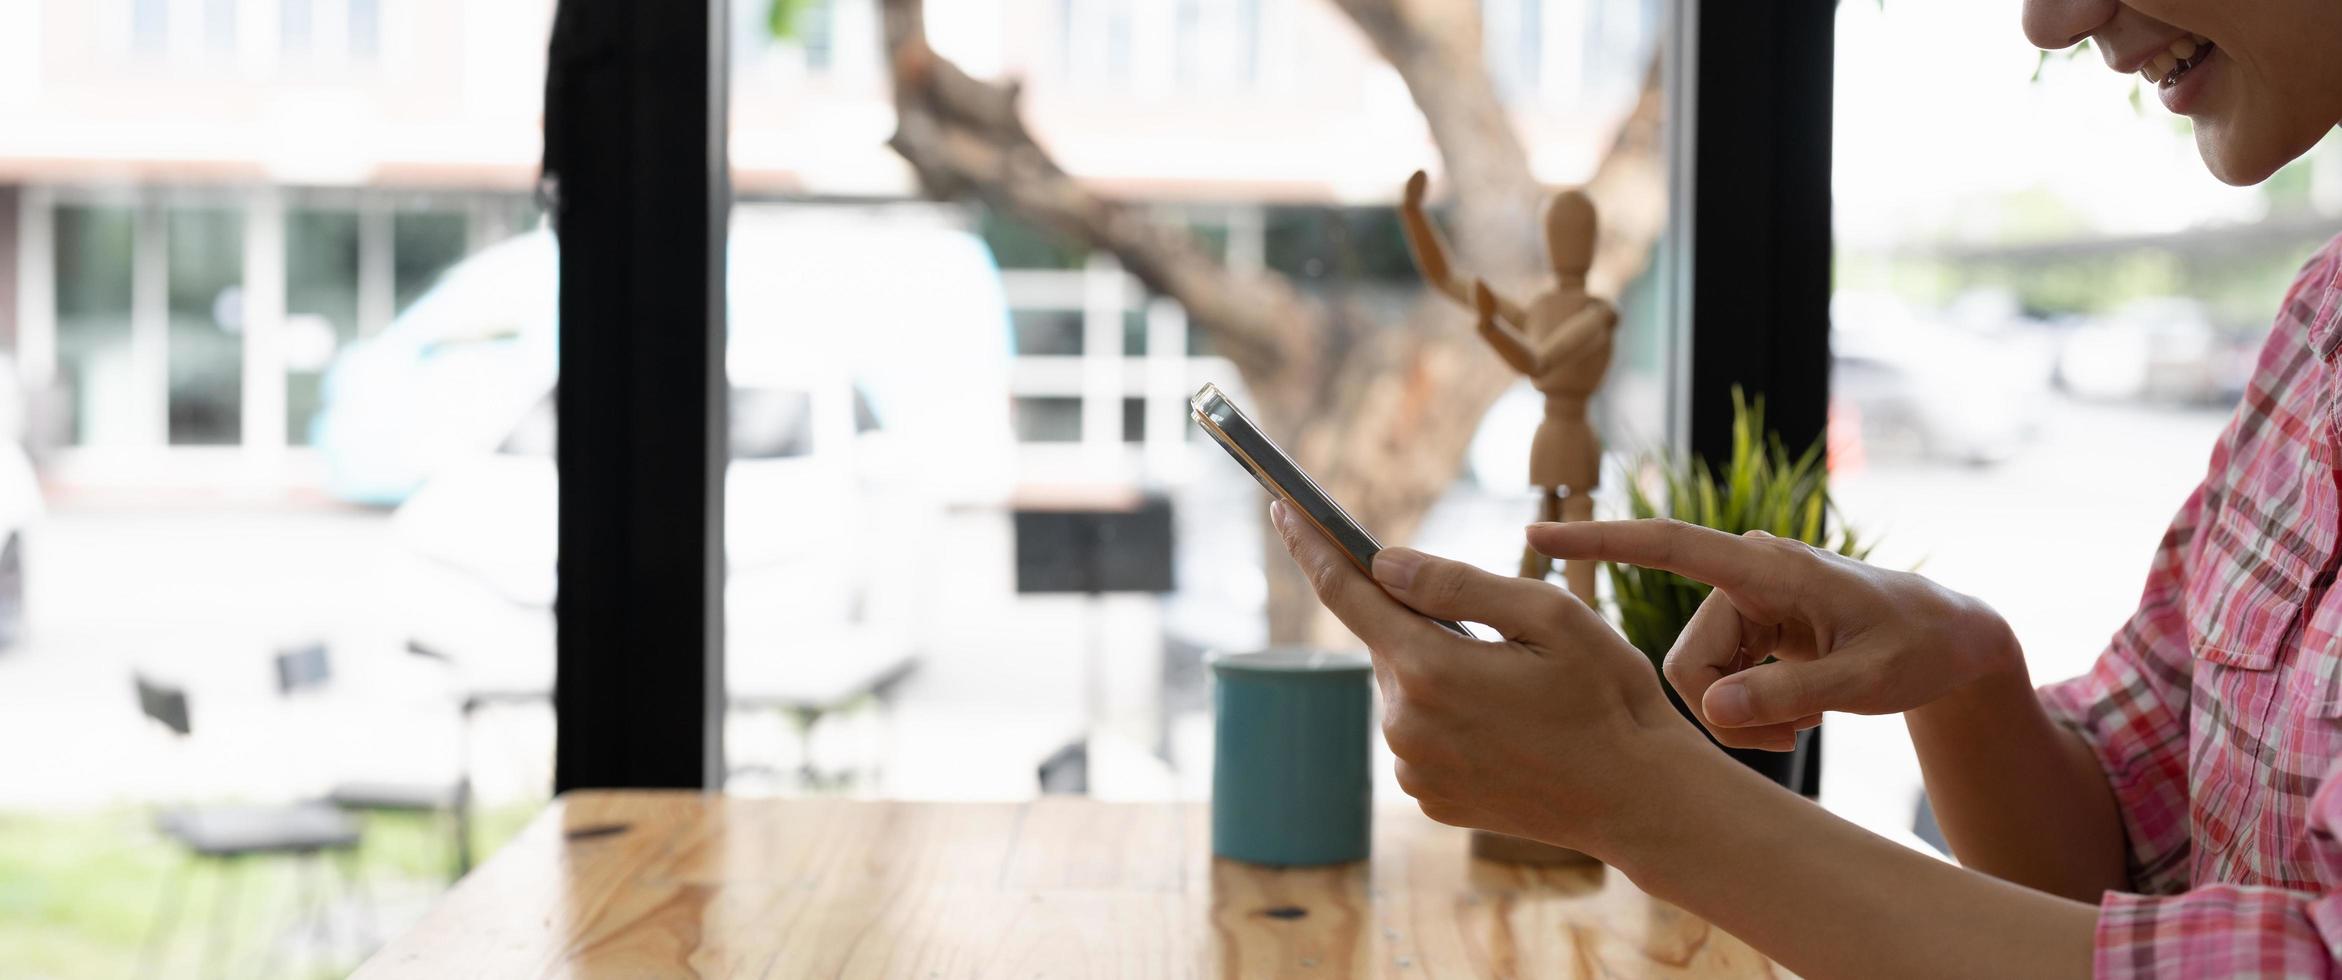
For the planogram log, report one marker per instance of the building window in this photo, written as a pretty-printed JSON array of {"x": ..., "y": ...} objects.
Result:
[
  {"x": 1512, "y": 38},
  {"x": 150, "y": 26},
  {"x": 297, "y": 25},
  {"x": 425, "y": 244},
  {"x": 349, "y": 29},
  {"x": 1618, "y": 42},
  {"x": 95, "y": 372},
  {"x": 321, "y": 306},
  {"x": 1096, "y": 39},
  {"x": 1216, "y": 43},
  {"x": 816, "y": 30},
  {"x": 1046, "y": 418},
  {"x": 1134, "y": 420},
  {"x": 219, "y": 27},
  {"x": 205, "y": 263},
  {"x": 365, "y": 28},
  {"x": 1046, "y": 333}
]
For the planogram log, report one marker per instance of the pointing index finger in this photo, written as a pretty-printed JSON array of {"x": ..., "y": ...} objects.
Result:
[{"x": 1723, "y": 560}]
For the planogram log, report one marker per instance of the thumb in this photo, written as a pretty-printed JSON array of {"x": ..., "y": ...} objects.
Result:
[
  {"x": 1783, "y": 691},
  {"x": 1519, "y": 608}
]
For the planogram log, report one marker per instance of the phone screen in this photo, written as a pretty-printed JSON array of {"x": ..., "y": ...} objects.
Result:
[{"x": 1279, "y": 475}]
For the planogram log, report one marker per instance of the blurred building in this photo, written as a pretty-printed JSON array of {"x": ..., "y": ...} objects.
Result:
[{"x": 202, "y": 200}]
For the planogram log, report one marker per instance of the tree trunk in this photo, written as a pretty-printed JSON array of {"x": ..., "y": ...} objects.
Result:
[{"x": 1379, "y": 411}]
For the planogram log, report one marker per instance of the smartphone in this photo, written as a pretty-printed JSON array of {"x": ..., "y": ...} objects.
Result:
[{"x": 1280, "y": 476}]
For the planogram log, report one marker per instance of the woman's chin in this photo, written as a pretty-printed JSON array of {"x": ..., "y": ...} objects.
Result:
[
  {"x": 2242, "y": 156},
  {"x": 2233, "y": 164}
]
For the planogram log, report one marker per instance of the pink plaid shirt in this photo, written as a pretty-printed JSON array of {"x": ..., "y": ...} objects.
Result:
[{"x": 2217, "y": 709}]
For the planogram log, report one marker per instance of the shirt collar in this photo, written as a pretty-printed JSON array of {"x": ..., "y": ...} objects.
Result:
[{"x": 2320, "y": 302}]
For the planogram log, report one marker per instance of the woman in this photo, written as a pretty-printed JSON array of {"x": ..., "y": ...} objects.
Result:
[{"x": 2169, "y": 813}]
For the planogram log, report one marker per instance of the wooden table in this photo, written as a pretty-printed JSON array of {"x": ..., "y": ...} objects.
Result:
[{"x": 641, "y": 884}]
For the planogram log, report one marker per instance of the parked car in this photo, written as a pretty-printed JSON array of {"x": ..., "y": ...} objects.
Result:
[
  {"x": 20, "y": 504},
  {"x": 1930, "y": 389},
  {"x": 446, "y": 379},
  {"x": 2157, "y": 350},
  {"x": 916, "y": 313},
  {"x": 867, "y": 368}
]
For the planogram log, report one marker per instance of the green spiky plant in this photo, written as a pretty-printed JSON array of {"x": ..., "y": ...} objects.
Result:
[{"x": 1761, "y": 488}]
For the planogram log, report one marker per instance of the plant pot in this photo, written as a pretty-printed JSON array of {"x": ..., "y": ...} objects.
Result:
[{"x": 1798, "y": 769}]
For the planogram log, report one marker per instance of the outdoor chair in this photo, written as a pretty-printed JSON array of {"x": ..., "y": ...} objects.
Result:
[
  {"x": 305, "y": 672},
  {"x": 225, "y": 836}
]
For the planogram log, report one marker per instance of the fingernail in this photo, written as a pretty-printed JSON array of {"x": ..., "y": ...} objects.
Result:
[
  {"x": 1395, "y": 567},
  {"x": 1727, "y": 704},
  {"x": 1277, "y": 511}
]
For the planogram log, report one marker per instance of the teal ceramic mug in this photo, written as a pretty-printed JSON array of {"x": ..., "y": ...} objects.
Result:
[{"x": 1289, "y": 757}]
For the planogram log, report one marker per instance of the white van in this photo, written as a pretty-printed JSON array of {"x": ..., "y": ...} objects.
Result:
[{"x": 869, "y": 367}]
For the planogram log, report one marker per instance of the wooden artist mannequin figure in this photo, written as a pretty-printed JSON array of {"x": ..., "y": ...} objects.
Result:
[{"x": 1560, "y": 340}]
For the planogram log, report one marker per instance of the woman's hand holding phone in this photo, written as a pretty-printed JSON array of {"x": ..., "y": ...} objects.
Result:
[{"x": 1558, "y": 732}]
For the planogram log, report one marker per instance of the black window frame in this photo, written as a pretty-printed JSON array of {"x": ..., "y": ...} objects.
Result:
[
  {"x": 636, "y": 182},
  {"x": 1750, "y": 103}
]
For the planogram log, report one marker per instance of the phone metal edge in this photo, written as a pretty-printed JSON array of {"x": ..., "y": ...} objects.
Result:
[{"x": 1358, "y": 544}]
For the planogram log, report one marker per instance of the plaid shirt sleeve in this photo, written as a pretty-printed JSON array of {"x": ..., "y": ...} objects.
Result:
[
  {"x": 2132, "y": 708},
  {"x": 2219, "y": 931}
]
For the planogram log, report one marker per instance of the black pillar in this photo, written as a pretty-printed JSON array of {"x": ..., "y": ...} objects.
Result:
[
  {"x": 635, "y": 181},
  {"x": 1753, "y": 105},
  {"x": 1759, "y": 215}
]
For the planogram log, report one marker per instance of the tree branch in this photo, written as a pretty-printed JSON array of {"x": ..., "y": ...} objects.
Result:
[
  {"x": 1436, "y": 49},
  {"x": 965, "y": 137}
]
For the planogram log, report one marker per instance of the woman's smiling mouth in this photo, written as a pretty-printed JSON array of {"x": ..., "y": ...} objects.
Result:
[{"x": 2167, "y": 66}]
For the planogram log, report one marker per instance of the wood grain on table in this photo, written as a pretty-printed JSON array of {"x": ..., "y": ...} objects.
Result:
[{"x": 650, "y": 884}]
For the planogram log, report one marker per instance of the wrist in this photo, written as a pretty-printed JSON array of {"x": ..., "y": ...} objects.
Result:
[
  {"x": 1994, "y": 676},
  {"x": 1660, "y": 826},
  {"x": 1990, "y": 660},
  {"x": 1995, "y": 653}
]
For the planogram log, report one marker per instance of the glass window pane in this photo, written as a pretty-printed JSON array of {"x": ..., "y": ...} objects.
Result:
[
  {"x": 815, "y": 28},
  {"x": 365, "y": 28},
  {"x": 321, "y": 307},
  {"x": 94, "y": 372},
  {"x": 295, "y": 25},
  {"x": 1134, "y": 420},
  {"x": 93, "y": 261},
  {"x": 1016, "y": 245},
  {"x": 425, "y": 244},
  {"x": 1046, "y": 419},
  {"x": 1047, "y": 332},
  {"x": 1134, "y": 332},
  {"x": 219, "y": 26},
  {"x": 150, "y": 26},
  {"x": 206, "y": 309}
]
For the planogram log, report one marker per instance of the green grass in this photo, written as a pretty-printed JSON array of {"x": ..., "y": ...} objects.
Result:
[{"x": 78, "y": 892}]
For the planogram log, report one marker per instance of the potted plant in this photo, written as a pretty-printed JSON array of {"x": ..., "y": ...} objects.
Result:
[{"x": 1760, "y": 488}]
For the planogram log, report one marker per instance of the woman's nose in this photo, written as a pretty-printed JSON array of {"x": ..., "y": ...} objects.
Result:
[{"x": 2054, "y": 24}]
